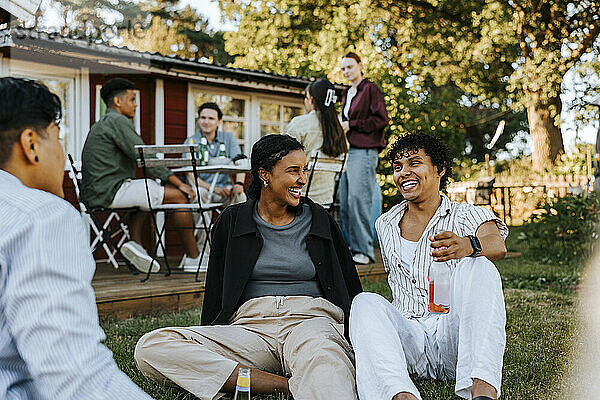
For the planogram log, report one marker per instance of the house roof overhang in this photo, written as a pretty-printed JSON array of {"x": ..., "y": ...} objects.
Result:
[
  {"x": 99, "y": 56},
  {"x": 22, "y": 9}
]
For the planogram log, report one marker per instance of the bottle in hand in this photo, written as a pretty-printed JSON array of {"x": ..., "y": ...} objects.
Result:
[
  {"x": 439, "y": 287},
  {"x": 242, "y": 387}
]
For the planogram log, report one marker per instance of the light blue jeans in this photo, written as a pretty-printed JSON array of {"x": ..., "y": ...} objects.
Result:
[
  {"x": 357, "y": 188},
  {"x": 377, "y": 207}
]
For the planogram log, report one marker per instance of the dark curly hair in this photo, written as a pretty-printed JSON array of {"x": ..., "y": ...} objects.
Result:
[
  {"x": 432, "y": 146},
  {"x": 265, "y": 154}
]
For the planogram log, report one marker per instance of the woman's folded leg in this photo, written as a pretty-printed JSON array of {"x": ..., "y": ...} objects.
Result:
[{"x": 200, "y": 359}]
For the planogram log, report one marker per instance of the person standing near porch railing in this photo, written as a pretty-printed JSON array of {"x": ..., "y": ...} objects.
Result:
[{"x": 50, "y": 340}]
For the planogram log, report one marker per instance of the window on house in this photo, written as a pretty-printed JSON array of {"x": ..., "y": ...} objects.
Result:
[
  {"x": 234, "y": 112},
  {"x": 274, "y": 117},
  {"x": 63, "y": 88},
  {"x": 64, "y": 83}
]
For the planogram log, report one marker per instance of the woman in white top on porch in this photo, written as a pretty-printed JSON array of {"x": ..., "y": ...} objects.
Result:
[{"x": 320, "y": 130}]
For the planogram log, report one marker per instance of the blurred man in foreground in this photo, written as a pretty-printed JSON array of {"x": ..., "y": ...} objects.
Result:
[{"x": 50, "y": 340}]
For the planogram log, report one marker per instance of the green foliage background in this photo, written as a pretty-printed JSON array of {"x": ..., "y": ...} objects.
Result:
[
  {"x": 308, "y": 38},
  {"x": 165, "y": 26},
  {"x": 565, "y": 230},
  {"x": 479, "y": 60}
]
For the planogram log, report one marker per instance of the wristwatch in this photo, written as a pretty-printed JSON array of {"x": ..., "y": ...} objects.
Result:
[{"x": 476, "y": 244}]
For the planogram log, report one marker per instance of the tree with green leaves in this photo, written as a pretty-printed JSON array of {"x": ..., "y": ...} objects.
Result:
[
  {"x": 513, "y": 53},
  {"x": 182, "y": 31},
  {"x": 163, "y": 26},
  {"x": 505, "y": 55},
  {"x": 85, "y": 14},
  {"x": 308, "y": 38}
]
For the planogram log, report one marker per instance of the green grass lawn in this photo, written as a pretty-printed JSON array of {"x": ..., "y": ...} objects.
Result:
[{"x": 541, "y": 324}]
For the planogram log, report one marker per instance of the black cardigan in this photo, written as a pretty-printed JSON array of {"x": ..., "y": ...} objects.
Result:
[{"x": 236, "y": 245}]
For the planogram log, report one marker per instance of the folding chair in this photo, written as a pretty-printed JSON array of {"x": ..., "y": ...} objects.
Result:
[
  {"x": 187, "y": 158},
  {"x": 324, "y": 163},
  {"x": 109, "y": 235}
]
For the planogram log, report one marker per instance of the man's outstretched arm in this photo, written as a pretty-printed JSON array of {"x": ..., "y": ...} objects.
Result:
[{"x": 448, "y": 245}]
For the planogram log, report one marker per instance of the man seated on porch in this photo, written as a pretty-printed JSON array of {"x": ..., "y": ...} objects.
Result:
[
  {"x": 50, "y": 341},
  {"x": 226, "y": 192},
  {"x": 210, "y": 117},
  {"x": 108, "y": 172},
  {"x": 394, "y": 340}
]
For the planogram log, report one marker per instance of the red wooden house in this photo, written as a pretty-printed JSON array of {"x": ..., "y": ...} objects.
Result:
[{"x": 169, "y": 89}]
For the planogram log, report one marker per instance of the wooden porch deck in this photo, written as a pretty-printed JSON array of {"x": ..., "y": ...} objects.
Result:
[{"x": 120, "y": 295}]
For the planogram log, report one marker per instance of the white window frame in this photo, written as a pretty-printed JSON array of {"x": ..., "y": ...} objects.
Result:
[
  {"x": 279, "y": 101},
  {"x": 78, "y": 117},
  {"x": 247, "y": 119}
]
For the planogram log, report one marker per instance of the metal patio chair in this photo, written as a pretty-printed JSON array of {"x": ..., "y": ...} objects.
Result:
[
  {"x": 322, "y": 162},
  {"x": 156, "y": 156},
  {"x": 108, "y": 235}
]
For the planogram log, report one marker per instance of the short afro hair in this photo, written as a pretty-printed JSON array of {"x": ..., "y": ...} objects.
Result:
[
  {"x": 266, "y": 152},
  {"x": 432, "y": 146},
  {"x": 113, "y": 88}
]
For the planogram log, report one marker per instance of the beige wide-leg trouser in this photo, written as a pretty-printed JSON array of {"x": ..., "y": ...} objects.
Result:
[{"x": 298, "y": 336}]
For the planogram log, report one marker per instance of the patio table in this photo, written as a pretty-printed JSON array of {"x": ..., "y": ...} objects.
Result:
[{"x": 216, "y": 170}]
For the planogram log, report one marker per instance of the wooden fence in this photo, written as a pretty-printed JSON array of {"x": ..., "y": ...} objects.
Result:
[{"x": 513, "y": 199}]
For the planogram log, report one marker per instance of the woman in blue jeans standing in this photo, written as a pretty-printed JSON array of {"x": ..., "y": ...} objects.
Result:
[{"x": 364, "y": 118}]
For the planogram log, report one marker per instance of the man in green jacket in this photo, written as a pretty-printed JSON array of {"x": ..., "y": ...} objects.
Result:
[{"x": 108, "y": 172}]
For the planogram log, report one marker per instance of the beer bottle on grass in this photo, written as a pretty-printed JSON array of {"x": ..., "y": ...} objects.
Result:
[{"x": 242, "y": 387}]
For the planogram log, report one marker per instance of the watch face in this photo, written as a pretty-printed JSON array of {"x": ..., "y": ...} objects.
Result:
[{"x": 476, "y": 245}]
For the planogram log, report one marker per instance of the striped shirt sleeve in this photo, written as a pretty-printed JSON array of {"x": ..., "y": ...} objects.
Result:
[
  {"x": 51, "y": 311},
  {"x": 384, "y": 240},
  {"x": 472, "y": 217}
]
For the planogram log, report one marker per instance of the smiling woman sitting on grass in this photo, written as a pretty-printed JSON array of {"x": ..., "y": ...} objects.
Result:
[{"x": 279, "y": 286}]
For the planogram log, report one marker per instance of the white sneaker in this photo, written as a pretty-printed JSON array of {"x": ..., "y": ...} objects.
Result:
[
  {"x": 189, "y": 264},
  {"x": 138, "y": 256},
  {"x": 360, "y": 258}
]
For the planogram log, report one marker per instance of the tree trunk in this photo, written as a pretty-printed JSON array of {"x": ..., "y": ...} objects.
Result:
[{"x": 545, "y": 134}]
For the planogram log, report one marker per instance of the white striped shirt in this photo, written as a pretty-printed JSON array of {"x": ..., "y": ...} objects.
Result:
[
  {"x": 409, "y": 286},
  {"x": 50, "y": 340}
]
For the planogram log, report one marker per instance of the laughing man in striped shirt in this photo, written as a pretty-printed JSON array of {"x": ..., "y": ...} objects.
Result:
[
  {"x": 50, "y": 340},
  {"x": 394, "y": 340}
]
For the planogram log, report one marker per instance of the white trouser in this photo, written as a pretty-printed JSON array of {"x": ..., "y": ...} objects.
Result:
[{"x": 467, "y": 343}]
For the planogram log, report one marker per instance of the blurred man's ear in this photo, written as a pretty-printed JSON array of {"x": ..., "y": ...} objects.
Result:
[{"x": 29, "y": 141}]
